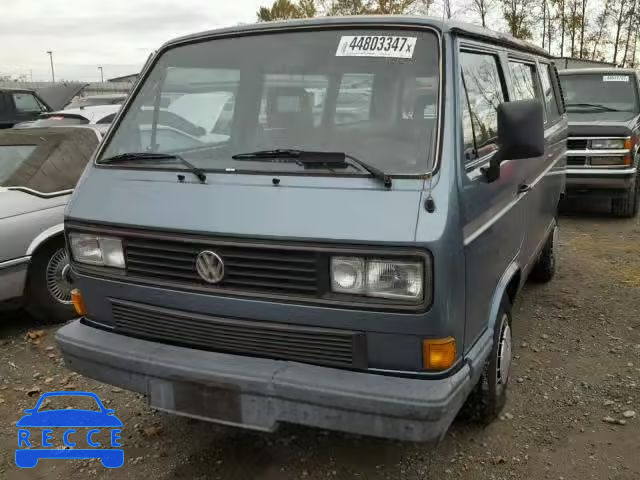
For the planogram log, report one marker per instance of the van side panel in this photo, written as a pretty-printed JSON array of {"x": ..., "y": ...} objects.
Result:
[{"x": 493, "y": 219}]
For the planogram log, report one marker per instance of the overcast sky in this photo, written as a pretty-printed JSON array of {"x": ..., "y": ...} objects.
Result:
[{"x": 116, "y": 34}]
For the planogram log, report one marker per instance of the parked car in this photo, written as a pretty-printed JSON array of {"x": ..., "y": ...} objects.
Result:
[
  {"x": 604, "y": 123},
  {"x": 354, "y": 274},
  {"x": 39, "y": 168},
  {"x": 95, "y": 100},
  {"x": 98, "y": 115},
  {"x": 20, "y": 105}
]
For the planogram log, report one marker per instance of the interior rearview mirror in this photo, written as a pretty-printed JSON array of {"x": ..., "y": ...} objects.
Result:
[{"x": 520, "y": 134}]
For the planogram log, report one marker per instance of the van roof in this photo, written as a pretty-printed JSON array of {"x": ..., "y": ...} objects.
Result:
[
  {"x": 455, "y": 27},
  {"x": 597, "y": 70}
]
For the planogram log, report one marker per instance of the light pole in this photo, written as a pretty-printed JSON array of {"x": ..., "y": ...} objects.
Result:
[
  {"x": 53, "y": 75},
  {"x": 101, "y": 74}
]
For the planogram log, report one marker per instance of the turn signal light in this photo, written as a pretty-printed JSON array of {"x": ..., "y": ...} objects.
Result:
[
  {"x": 629, "y": 143},
  {"x": 439, "y": 353},
  {"x": 78, "y": 302}
]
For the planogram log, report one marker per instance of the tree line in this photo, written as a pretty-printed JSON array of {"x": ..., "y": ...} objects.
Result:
[{"x": 603, "y": 30}]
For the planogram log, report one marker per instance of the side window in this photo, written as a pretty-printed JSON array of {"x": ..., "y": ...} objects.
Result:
[
  {"x": 26, "y": 103},
  {"x": 523, "y": 81},
  {"x": 546, "y": 76},
  {"x": 484, "y": 91}
]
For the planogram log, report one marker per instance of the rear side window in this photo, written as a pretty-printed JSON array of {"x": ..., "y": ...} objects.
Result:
[
  {"x": 11, "y": 157},
  {"x": 45, "y": 161},
  {"x": 523, "y": 81},
  {"x": 26, "y": 103},
  {"x": 483, "y": 87},
  {"x": 546, "y": 76}
]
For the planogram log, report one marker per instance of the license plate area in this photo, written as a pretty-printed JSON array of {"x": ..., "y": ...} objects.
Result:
[{"x": 213, "y": 402}]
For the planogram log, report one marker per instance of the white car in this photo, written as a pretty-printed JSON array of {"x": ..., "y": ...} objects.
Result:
[{"x": 94, "y": 115}]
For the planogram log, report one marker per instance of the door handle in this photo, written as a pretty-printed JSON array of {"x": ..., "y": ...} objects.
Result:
[{"x": 523, "y": 188}]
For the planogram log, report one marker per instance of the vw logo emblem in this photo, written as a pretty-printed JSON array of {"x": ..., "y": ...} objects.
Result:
[{"x": 210, "y": 266}]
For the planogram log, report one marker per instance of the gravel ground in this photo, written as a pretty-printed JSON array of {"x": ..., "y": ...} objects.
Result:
[{"x": 570, "y": 415}]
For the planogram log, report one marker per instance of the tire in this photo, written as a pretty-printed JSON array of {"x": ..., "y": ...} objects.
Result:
[
  {"x": 545, "y": 267},
  {"x": 489, "y": 396},
  {"x": 627, "y": 206},
  {"x": 48, "y": 286}
]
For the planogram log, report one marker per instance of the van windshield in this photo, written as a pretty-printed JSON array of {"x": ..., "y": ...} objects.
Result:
[
  {"x": 370, "y": 93},
  {"x": 600, "y": 92}
]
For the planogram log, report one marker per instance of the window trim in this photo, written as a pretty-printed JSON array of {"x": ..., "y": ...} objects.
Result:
[
  {"x": 481, "y": 49},
  {"x": 555, "y": 82},
  {"x": 536, "y": 80}
]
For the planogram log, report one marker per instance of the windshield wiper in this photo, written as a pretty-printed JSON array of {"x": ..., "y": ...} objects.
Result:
[
  {"x": 310, "y": 158},
  {"x": 593, "y": 105},
  {"x": 153, "y": 156}
]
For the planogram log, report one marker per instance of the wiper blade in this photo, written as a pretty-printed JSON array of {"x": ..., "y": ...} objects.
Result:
[
  {"x": 268, "y": 154},
  {"x": 593, "y": 105},
  {"x": 153, "y": 156},
  {"x": 310, "y": 158}
]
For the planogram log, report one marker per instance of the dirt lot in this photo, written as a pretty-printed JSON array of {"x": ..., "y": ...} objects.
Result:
[{"x": 577, "y": 368}]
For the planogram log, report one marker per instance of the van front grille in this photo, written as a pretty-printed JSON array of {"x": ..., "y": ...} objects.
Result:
[
  {"x": 320, "y": 346},
  {"x": 577, "y": 144},
  {"x": 576, "y": 161},
  {"x": 246, "y": 268}
]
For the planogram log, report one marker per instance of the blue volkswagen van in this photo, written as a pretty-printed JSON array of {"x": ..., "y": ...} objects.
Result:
[{"x": 332, "y": 234}]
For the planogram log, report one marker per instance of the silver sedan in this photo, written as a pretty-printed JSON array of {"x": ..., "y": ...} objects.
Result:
[{"x": 39, "y": 168}]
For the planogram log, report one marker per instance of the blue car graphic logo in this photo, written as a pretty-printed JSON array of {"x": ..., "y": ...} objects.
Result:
[{"x": 68, "y": 419}]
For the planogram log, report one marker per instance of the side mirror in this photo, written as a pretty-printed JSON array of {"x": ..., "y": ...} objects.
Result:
[{"x": 520, "y": 134}]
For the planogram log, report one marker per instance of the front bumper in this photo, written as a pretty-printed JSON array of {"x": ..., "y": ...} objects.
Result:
[
  {"x": 259, "y": 393},
  {"x": 585, "y": 180},
  {"x": 13, "y": 277}
]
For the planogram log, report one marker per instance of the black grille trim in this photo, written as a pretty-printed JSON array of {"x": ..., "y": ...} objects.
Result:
[
  {"x": 321, "y": 346},
  {"x": 577, "y": 144},
  {"x": 254, "y": 269},
  {"x": 576, "y": 161}
]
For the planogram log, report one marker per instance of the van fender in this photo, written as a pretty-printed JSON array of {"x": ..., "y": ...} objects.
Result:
[
  {"x": 481, "y": 349},
  {"x": 44, "y": 236},
  {"x": 502, "y": 289}
]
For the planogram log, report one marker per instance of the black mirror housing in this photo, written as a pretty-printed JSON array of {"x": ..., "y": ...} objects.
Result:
[
  {"x": 521, "y": 129},
  {"x": 520, "y": 134}
]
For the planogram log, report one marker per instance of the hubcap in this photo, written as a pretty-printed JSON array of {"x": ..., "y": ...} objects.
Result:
[
  {"x": 57, "y": 277},
  {"x": 504, "y": 352}
]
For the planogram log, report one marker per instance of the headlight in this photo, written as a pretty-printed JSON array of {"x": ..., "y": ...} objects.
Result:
[
  {"x": 97, "y": 250},
  {"x": 376, "y": 277},
  {"x": 390, "y": 279},
  {"x": 608, "y": 144},
  {"x": 347, "y": 274}
]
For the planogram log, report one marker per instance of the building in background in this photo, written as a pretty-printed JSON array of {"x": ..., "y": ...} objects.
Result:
[
  {"x": 564, "y": 63},
  {"x": 124, "y": 79}
]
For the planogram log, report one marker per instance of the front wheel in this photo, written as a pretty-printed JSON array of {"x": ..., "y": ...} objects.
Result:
[
  {"x": 627, "y": 206},
  {"x": 49, "y": 284},
  {"x": 489, "y": 396}
]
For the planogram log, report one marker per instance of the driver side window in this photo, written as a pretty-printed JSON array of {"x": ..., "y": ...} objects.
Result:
[{"x": 483, "y": 91}]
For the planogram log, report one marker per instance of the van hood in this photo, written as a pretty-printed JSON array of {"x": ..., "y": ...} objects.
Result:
[
  {"x": 601, "y": 123},
  {"x": 353, "y": 209},
  {"x": 16, "y": 202}
]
